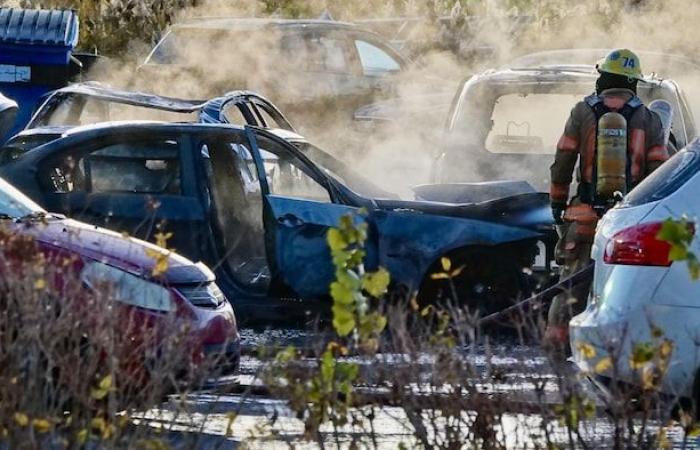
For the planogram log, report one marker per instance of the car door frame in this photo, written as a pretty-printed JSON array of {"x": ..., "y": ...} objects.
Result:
[
  {"x": 311, "y": 217},
  {"x": 176, "y": 209}
]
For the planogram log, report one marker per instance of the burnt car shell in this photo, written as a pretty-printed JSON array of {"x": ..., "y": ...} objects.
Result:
[
  {"x": 523, "y": 155},
  {"x": 286, "y": 260}
]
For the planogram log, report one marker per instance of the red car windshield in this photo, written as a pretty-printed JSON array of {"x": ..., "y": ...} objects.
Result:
[{"x": 15, "y": 204}]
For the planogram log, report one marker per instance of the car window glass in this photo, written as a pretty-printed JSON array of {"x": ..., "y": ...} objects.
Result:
[
  {"x": 67, "y": 112},
  {"x": 233, "y": 114},
  {"x": 13, "y": 203},
  {"x": 648, "y": 92},
  {"x": 665, "y": 180},
  {"x": 288, "y": 176},
  {"x": 523, "y": 123},
  {"x": 145, "y": 167},
  {"x": 375, "y": 61},
  {"x": 327, "y": 54}
]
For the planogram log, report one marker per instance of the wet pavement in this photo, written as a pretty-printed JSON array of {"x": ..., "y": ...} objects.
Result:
[{"x": 248, "y": 416}]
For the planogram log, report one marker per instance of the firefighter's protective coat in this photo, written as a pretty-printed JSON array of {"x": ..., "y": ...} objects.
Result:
[{"x": 645, "y": 144}]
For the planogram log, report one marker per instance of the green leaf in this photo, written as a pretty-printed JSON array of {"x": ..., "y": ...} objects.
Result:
[
  {"x": 642, "y": 353},
  {"x": 335, "y": 239},
  {"x": 348, "y": 278},
  {"x": 356, "y": 257},
  {"x": 440, "y": 276},
  {"x": 327, "y": 366},
  {"x": 678, "y": 253},
  {"x": 376, "y": 283},
  {"x": 588, "y": 408},
  {"x": 674, "y": 231},
  {"x": 341, "y": 293},
  {"x": 343, "y": 320},
  {"x": 446, "y": 263}
]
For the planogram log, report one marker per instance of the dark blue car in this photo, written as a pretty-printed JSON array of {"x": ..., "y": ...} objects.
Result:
[{"x": 256, "y": 204}]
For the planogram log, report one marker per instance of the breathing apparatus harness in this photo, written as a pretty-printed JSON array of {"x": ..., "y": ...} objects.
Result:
[{"x": 587, "y": 191}]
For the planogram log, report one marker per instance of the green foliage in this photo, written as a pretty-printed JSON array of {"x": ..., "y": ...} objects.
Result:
[
  {"x": 642, "y": 353},
  {"x": 679, "y": 234},
  {"x": 326, "y": 393},
  {"x": 353, "y": 286}
]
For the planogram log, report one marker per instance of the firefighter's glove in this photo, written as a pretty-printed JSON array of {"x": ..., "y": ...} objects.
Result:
[{"x": 558, "y": 212}]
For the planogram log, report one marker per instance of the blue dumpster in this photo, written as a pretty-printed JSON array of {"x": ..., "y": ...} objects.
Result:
[{"x": 36, "y": 49}]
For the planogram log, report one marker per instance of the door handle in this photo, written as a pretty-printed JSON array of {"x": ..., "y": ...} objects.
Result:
[{"x": 290, "y": 220}]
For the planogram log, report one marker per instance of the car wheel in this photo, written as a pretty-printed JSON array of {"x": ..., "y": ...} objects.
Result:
[{"x": 486, "y": 280}]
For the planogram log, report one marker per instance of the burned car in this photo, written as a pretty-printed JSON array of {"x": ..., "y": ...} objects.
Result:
[
  {"x": 91, "y": 102},
  {"x": 251, "y": 204},
  {"x": 505, "y": 124}
]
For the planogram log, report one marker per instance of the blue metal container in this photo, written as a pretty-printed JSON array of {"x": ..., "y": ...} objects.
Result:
[{"x": 36, "y": 49}]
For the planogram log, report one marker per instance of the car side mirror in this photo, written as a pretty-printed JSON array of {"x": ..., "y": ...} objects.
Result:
[{"x": 8, "y": 114}]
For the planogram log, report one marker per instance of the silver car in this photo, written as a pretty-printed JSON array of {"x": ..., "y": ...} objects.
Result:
[{"x": 642, "y": 320}]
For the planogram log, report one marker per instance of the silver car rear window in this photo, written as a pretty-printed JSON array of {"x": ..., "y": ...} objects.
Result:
[{"x": 666, "y": 180}]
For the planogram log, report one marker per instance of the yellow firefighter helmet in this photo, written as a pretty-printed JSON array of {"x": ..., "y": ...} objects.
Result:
[{"x": 621, "y": 62}]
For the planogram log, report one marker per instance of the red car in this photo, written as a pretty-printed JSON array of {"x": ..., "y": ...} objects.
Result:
[{"x": 156, "y": 291}]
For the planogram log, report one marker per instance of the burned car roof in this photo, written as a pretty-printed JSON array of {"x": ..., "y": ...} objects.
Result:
[
  {"x": 212, "y": 107},
  {"x": 51, "y": 120},
  {"x": 101, "y": 91},
  {"x": 546, "y": 72},
  {"x": 662, "y": 63}
]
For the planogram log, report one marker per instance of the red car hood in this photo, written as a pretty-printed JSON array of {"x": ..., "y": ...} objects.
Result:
[{"x": 130, "y": 254}]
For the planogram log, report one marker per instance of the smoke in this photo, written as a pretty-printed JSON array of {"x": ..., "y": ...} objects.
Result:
[{"x": 448, "y": 42}]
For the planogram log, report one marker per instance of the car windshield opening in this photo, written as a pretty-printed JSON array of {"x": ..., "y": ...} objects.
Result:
[
  {"x": 15, "y": 204},
  {"x": 341, "y": 172},
  {"x": 79, "y": 109},
  {"x": 529, "y": 117},
  {"x": 525, "y": 123}
]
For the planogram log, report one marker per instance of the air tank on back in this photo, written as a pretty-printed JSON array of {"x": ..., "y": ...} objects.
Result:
[{"x": 611, "y": 156}]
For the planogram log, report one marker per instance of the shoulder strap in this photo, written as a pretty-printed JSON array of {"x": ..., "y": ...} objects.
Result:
[
  {"x": 596, "y": 104},
  {"x": 630, "y": 107}
]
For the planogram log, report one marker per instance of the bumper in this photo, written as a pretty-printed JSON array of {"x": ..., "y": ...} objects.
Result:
[
  {"x": 227, "y": 356},
  {"x": 593, "y": 338}
]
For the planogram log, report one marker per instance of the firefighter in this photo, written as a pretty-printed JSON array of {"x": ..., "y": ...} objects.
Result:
[{"x": 616, "y": 142}]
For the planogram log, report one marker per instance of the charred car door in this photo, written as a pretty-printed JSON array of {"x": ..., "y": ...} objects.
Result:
[
  {"x": 140, "y": 184},
  {"x": 298, "y": 210}
]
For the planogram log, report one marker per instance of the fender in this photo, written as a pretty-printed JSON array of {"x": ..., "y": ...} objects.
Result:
[{"x": 409, "y": 243}]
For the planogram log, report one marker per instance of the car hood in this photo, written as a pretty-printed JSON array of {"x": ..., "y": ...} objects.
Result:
[
  {"x": 129, "y": 254},
  {"x": 528, "y": 210}
]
